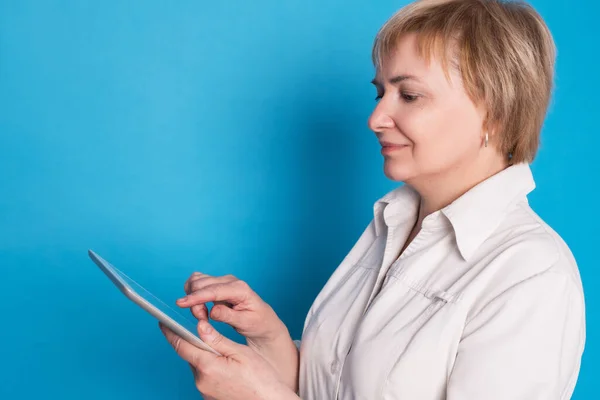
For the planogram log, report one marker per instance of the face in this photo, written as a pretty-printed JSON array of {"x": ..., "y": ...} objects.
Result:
[{"x": 427, "y": 124}]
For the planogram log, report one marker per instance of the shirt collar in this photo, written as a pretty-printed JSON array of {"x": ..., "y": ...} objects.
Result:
[
  {"x": 473, "y": 216},
  {"x": 398, "y": 206}
]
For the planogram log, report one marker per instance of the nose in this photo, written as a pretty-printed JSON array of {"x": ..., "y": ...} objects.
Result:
[{"x": 380, "y": 118}]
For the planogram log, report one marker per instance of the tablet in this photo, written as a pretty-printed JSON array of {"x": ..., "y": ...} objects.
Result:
[{"x": 152, "y": 304}]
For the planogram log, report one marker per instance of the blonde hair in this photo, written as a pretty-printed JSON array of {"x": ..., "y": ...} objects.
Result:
[{"x": 504, "y": 52}]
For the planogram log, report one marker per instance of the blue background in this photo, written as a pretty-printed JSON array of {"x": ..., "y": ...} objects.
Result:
[{"x": 224, "y": 137}]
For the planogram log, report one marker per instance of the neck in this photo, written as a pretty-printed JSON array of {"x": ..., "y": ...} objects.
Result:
[{"x": 440, "y": 189}]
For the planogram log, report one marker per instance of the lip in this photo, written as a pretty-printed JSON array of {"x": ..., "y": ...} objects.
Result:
[{"x": 388, "y": 148}]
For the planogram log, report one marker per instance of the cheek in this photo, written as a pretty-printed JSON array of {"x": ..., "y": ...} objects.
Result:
[{"x": 441, "y": 135}]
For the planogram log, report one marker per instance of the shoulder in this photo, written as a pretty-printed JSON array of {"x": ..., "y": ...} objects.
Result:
[
  {"x": 525, "y": 254},
  {"x": 535, "y": 247}
]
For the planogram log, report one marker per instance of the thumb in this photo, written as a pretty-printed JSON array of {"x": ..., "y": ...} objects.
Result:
[{"x": 217, "y": 341}]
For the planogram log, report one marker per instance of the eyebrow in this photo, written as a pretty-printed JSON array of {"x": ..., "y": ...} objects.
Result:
[{"x": 397, "y": 79}]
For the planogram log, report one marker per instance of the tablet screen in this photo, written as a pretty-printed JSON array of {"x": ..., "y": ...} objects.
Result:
[
  {"x": 176, "y": 315},
  {"x": 121, "y": 279}
]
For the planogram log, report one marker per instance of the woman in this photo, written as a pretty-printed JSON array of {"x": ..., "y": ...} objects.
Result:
[{"x": 456, "y": 289}]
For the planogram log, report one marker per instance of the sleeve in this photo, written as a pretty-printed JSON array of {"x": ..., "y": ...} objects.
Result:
[{"x": 525, "y": 344}]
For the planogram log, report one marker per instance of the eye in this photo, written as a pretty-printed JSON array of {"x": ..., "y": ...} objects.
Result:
[
  {"x": 409, "y": 98},
  {"x": 379, "y": 96}
]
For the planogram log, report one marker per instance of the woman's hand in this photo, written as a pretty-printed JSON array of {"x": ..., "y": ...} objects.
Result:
[
  {"x": 240, "y": 373},
  {"x": 236, "y": 304}
]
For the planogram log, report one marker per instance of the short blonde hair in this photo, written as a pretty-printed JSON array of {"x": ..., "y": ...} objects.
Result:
[{"x": 504, "y": 52}]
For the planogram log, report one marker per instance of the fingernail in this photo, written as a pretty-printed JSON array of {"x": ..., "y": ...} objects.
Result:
[{"x": 183, "y": 299}]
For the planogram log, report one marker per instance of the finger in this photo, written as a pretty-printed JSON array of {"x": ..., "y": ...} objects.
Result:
[
  {"x": 217, "y": 341},
  {"x": 194, "y": 276},
  {"x": 200, "y": 311},
  {"x": 202, "y": 282},
  {"x": 234, "y": 293},
  {"x": 224, "y": 303},
  {"x": 227, "y": 315},
  {"x": 190, "y": 353}
]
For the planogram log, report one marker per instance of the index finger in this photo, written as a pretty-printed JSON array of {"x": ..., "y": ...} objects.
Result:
[
  {"x": 233, "y": 292},
  {"x": 186, "y": 286}
]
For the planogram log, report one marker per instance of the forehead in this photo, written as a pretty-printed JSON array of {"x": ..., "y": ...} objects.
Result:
[{"x": 431, "y": 61}]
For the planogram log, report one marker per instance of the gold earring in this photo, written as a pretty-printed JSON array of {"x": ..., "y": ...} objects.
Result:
[{"x": 486, "y": 139}]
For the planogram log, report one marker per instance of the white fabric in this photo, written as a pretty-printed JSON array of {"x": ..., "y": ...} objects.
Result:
[{"x": 486, "y": 303}]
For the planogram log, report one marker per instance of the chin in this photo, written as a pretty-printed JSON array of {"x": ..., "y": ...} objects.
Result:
[{"x": 397, "y": 171}]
